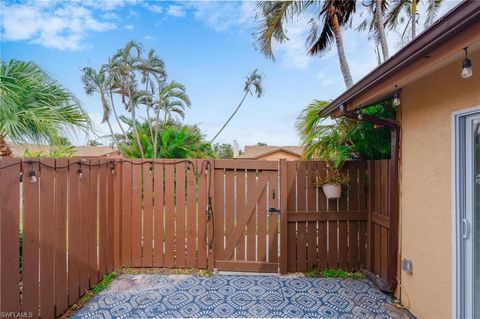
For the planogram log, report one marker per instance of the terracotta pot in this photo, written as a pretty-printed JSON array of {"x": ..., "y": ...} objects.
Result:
[{"x": 332, "y": 190}]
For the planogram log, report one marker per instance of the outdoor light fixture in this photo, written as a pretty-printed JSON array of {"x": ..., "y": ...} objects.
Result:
[
  {"x": 396, "y": 100},
  {"x": 32, "y": 176},
  {"x": 79, "y": 171},
  {"x": 466, "y": 66},
  {"x": 150, "y": 170},
  {"x": 360, "y": 116}
]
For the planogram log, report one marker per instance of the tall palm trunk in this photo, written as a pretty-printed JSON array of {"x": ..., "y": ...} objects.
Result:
[
  {"x": 4, "y": 149},
  {"x": 114, "y": 136},
  {"x": 148, "y": 114},
  {"x": 381, "y": 29},
  {"x": 117, "y": 117},
  {"x": 231, "y": 116},
  {"x": 155, "y": 145},
  {"x": 134, "y": 122},
  {"x": 347, "y": 76}
]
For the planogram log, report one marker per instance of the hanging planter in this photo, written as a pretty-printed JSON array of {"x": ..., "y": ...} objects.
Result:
[
  {"x": 332, "y": 191},
  {"x": 333, "y": 183}
]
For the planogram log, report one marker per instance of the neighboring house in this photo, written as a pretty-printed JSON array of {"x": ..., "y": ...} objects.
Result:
[
  {"x": 271, "y": 153},
  {"x": 439, "y": 155},
  {"x": 18, "y": 150}
]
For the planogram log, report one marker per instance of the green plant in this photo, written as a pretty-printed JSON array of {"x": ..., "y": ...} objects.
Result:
[
  {"x": 174, "y": 140},
  {"x": 339, "y": 273},
  {"x": 34, "y": 107},
  {"x": 333, "y": 273},
  {"x": 342, "y": 139},
  {"x": 102, "y": 285},
  {"x": 333, "y": 176}
]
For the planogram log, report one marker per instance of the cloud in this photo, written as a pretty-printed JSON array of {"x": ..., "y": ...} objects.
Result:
[
  {"x": 153, "y": 7},
  {"x": 63, "y": 27},
  {"x": 129, "y": 27},
  {"x": 176, "y": 11},
  {"x": 222, "y": 16}
]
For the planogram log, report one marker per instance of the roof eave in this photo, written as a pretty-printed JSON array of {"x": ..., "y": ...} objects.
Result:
[{"x": 458, "y": 19}]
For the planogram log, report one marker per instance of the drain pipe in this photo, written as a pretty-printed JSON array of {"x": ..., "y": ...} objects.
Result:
[{"x": 394, "y": 126}]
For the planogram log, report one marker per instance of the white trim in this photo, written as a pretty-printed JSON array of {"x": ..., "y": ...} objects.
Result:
[{"x": 457, "y": 285}]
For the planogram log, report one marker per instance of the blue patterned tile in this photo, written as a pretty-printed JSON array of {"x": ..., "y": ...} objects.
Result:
[{"x": 246, "y": 296}]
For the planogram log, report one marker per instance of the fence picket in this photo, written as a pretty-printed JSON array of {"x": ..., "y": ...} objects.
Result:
[
  {"x": 31, "y": 238},
  {"x": 180, "y": 216},
  {"x": 137, "y": 194},
  {"x": 9, "y": 223},
  {"x": 60, "y": 234},
  {"x": 158, "y": 218},
  {"x": 74, "y": 234},
  {"x": 169, "y": 260},
  {"x": 47, "y": 240},
  {"x": 147, "y": 251}
]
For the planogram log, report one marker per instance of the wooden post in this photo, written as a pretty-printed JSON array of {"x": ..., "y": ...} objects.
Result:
[
  {"x": 394, "y": 209},
  {"x": 371, "y": 205},
  {"x": 283, "y": 216}
]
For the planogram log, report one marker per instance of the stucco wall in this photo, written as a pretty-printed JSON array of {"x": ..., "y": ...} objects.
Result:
[
  {"x": 280, "y": 155},
  {"x": 425, "y": 204}
]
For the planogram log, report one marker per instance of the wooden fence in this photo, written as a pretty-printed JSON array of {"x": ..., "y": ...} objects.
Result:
[
  {"x": 83, "y": 218},
  {"x": 64, "y": 214},
  {"x": 326, "y": 233},
  {"x": 163, "y": 213}
]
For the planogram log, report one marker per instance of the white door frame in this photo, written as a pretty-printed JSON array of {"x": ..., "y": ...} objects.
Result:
[{"x": 459, "y": 226}]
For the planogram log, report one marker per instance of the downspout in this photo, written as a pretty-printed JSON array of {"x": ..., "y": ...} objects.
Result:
[{"x": 394, "y": 187}]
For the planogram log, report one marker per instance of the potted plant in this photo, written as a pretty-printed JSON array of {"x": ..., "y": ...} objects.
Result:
[{"x": 334, "y": 180}]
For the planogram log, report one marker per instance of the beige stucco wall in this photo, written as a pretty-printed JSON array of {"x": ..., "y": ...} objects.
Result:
[
  {"x": 425, "y": 184},
  {"x": 280, "y": 155}
]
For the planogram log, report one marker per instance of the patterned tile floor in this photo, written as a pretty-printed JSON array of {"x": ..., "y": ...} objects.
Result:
[{"x": 239, "y": 296}]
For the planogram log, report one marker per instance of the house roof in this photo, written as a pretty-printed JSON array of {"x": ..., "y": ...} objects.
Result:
[
  {"x": 428, "y": 48},
  {"x": 18, "y": 150},
  {"x": 254, "y": 151}
]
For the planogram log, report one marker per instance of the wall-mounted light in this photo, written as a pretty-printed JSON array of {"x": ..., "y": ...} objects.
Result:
[
  {"x": 112, "y": 168},
  {"x": 360, "y": 116},
  {"x": 396, "y": 100},
  {"x": 466, "y": 66}
]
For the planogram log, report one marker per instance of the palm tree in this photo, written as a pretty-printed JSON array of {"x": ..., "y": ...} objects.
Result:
[
  {"x": 125, "y": 62},
  {"x": 410, "y": 8},
  {"x": 376, "y": 25},
  {"x": 34, "y": 107},
  {"x": 169, "y": 98},
  {"x": 97, "y": 82},
  {"x": 113, "y": 81},
  {"x": 150, "y": 67},
  {"x": 174, "y": 141},
  {"x": 344, "y": 137},
  {"x": 253, "y": 82},
  {"x": 325, "y": 26}
]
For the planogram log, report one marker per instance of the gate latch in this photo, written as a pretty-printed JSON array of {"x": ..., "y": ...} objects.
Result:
[{"x": 273, "y": 210}]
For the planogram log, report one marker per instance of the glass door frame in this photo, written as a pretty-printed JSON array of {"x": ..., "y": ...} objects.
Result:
[{"x": 462, "y": 215}]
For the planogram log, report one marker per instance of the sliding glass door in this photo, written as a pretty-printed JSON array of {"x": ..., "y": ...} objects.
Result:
[
  {"x": 467, "y": 215},
  {"x": 472, "y": 213}
]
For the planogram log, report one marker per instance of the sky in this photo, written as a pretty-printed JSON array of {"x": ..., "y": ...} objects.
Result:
[{"x": 206, "y": 45}]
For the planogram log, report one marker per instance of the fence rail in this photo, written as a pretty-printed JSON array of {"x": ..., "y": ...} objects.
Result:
[{"x": 64, "y": 223}]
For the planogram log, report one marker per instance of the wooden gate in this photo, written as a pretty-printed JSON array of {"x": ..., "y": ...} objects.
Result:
[{"x": 246, "y": 215}]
